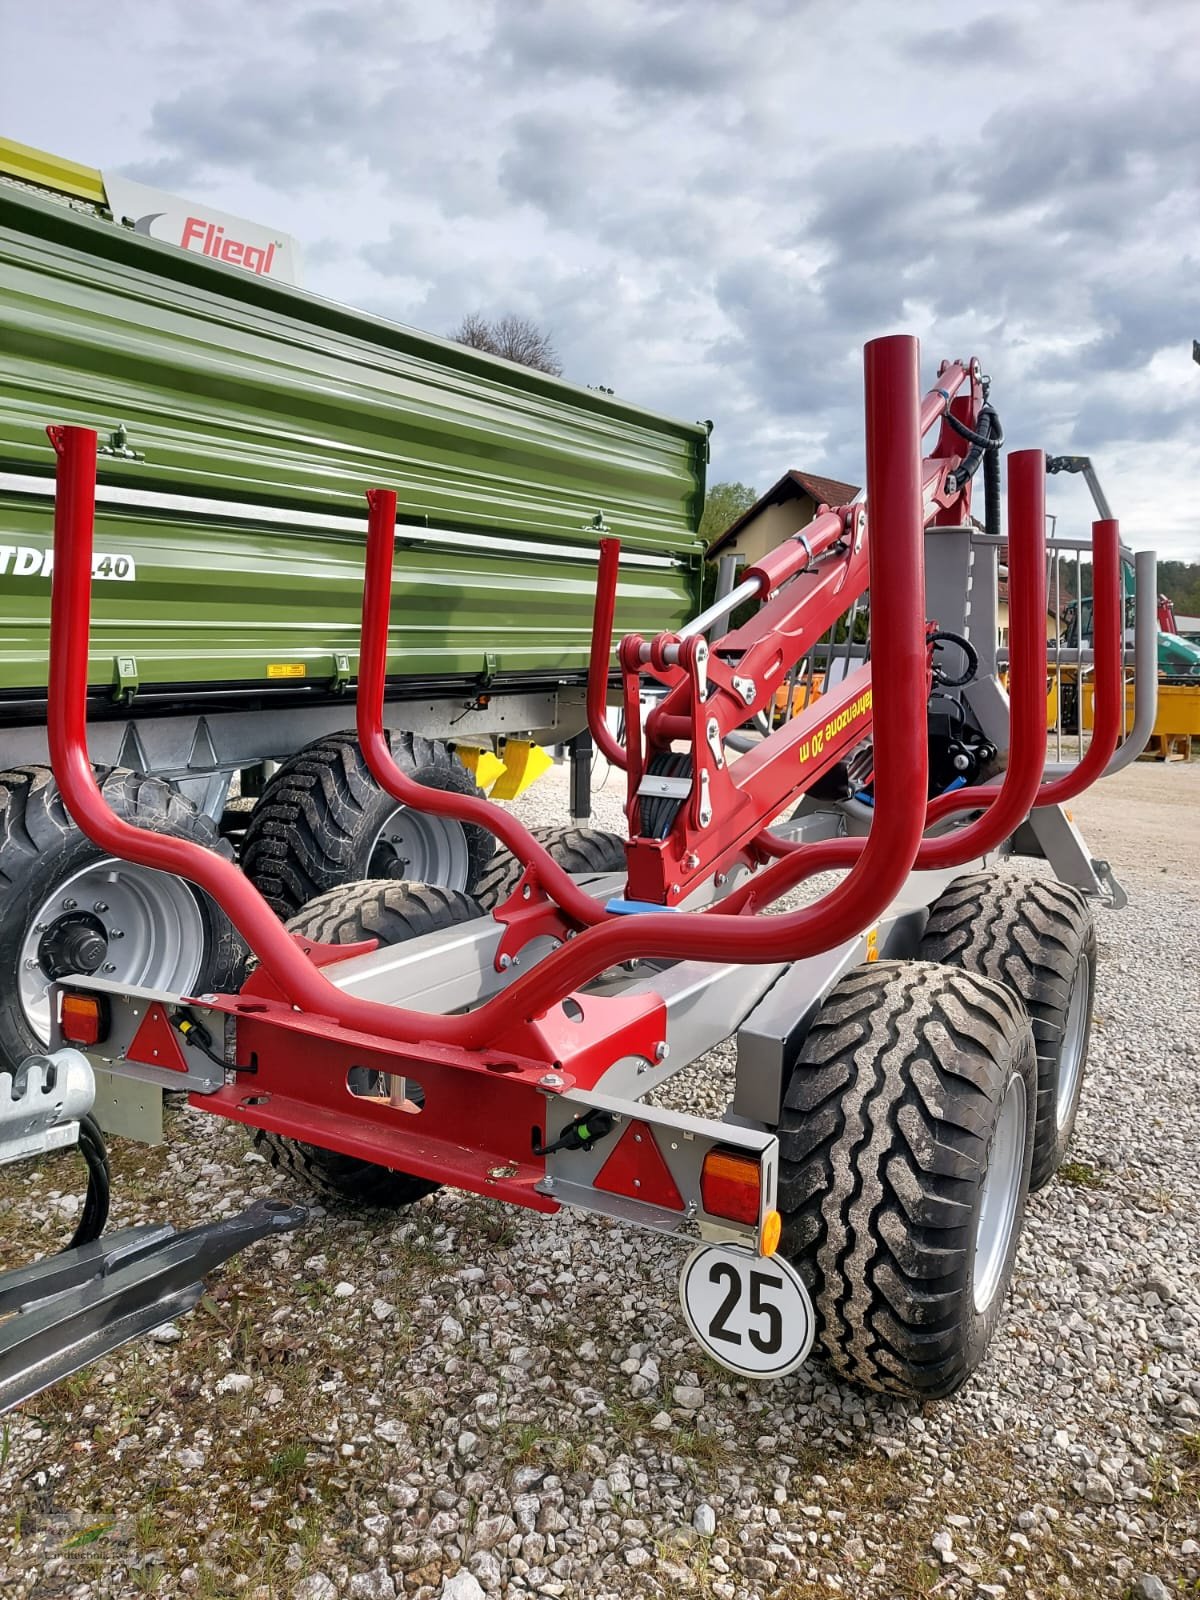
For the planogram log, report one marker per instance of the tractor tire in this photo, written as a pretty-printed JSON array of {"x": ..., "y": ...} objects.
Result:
[
  {"x": 392, "y": 913},
  {"x": 905, "y": 1146},
  {"x": 71, "y": 907},
  {"x": 323, "y": 821},
  {"x": 579, "y": 851},
  {"x": 1038, "y": 937}
]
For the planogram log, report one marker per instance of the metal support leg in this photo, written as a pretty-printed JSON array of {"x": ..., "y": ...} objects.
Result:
[
  {"x": 581, "y": 777},
  {"x": 75, "y": 1307}
]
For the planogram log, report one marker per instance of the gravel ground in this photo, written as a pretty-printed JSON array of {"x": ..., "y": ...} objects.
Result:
[{"x": 462, "y": 1400}]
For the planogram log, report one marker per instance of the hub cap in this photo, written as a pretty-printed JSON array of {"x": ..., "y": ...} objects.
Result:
[
  {"x": 1001, "y": 1191},
  {"x": 1070, "y": 1058},
  {"x": 123, "y": 922},
  {"x": 422, "y": 848}
]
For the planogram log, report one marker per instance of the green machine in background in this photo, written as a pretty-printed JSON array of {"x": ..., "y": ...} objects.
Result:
[{"x": 241, "y": 421}]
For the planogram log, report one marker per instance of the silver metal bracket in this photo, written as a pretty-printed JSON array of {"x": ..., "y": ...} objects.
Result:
[
  {"x": 72, "y": 1308},
  {"x": 41, "y": 1104}
]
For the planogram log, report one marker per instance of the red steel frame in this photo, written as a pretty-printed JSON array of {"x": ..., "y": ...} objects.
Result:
[{"x": 295, "y": 1030}]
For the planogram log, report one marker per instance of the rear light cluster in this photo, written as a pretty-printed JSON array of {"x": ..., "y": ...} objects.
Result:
[
  {"x": 83, "y": 1018},
  {"x": 731, "y": 1187}
]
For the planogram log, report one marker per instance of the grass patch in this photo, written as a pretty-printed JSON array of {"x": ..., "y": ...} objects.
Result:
[{"x": 1080, "y": 1173}]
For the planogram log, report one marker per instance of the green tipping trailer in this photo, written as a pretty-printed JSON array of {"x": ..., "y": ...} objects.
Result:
[{"x": 240, "y": 422}]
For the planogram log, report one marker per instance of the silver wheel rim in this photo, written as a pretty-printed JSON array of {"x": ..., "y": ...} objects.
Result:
[
  {"x": 139, "y": 927},
  {"x": 1070, "y": 1056},
  {"x": 1001, "y": 1192},
  {"x": 422, "y": 848}
]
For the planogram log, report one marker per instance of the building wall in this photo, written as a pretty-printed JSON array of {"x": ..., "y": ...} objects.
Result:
[
  {"x": 770, "y": 528},
  {"x": 1052, "y": 626}
]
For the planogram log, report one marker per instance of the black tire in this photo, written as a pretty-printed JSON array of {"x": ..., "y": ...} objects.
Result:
[
  {"x": 41, "y": 848},
  {"x": 391, "y": 912},
  {"x": 322, "y": 818},
  {"x": 886, "y": 1137},
  {"x": 579, "y": 851},
  {"x": 1037, "y": 937}
]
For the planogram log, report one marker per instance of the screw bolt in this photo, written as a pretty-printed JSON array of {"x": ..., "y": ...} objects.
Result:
[
  {"x": 40, "y": 927},
  {"x": 108, "y": 967},
  {"x": 69, "y": 905},
  {"x": 527, "y": 893},
  {"x": 691, "y": 861},
  {"x": 504, "y": 963},
  {"x": 116, "y": 933},
  {"x": 101, "y": 905},
  {"x": 551, "y": 1080},
  {"x": 31, "y": 964},
  {"x": 662, "y": 1050}
]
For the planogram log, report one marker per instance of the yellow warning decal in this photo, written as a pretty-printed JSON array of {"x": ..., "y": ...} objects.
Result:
[
  {"x": 286, "y": 669},
  {"x": 873, "y": 945}
]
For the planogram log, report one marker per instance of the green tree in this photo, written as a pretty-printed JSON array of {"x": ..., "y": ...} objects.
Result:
[{"x": 723, "y": 505}]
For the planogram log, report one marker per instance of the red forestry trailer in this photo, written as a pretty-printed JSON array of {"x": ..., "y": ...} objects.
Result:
[{"x": 911, "y": 1042}]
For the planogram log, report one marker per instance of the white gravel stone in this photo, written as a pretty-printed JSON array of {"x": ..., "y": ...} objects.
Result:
[
  {"x": 704, "y": 1520},
  {"x": 316, "y": 1586},
  {"x": 235, "y": 1383},
  {"x": 464, "y": 1585}
]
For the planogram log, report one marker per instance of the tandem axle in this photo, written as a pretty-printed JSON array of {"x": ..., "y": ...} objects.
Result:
[{"x": 889, "y": 1094}]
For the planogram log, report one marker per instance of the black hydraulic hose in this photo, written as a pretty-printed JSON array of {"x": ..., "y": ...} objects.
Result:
[
  {"x": 991, "y": 492},
  {"x": 990, "y": 438},
  {"x": 95, "y": 1205}
]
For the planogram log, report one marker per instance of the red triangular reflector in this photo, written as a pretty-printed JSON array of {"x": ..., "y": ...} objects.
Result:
[
  {"x": 157, "y": 1043},
  {"x": 636, "y": 1168}
]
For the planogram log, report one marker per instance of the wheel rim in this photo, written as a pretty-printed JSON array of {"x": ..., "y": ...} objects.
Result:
[
  {"x": 422, "y": 848},
  {"x": 124, "y": 922},
  {"x": 1001, "y": 1193},
  {"x": 1070, "y": 1056}
]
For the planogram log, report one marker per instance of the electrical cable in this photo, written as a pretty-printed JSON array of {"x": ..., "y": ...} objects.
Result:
[{"x": 95, "y": 1205}]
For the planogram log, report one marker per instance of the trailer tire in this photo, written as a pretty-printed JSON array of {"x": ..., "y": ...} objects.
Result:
[
  {"x": 392, "y": 912},
  {"x": 171, "y": 936},
  {"x": 1038, "y": 937},
  {"x": 579, "y": 851},
  {"x": 905, "y": 1147},
  {"x": 323, "y": 821}
]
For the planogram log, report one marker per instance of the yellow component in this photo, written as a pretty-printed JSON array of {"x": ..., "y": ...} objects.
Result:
[
  {"x": 769, "y": 1234},
  {"x": 51, "y": 172},
  {"x": 524, "y": 763},
  {"x": 485, "y": 765},
  {"x": 286, "y": 669},
  {"x": 873, "y": 945}
]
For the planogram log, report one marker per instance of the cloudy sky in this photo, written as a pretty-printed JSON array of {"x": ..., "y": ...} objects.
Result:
[{"x": 710, "y": 204}]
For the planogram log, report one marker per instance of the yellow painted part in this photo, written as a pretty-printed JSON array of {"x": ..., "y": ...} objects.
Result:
[
  {"x": 1178, "y": 709},
  {"x": 51, "y": 172},
  {"x": 524, "y": 764},
  {"x": 770, "y": 1234},
  {"x": 485, "y": 765}
]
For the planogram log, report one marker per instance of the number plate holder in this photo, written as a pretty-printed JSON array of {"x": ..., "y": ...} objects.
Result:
[{"x": 749, "y": 1312}]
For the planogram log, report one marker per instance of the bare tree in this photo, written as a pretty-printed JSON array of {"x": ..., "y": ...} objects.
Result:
[{"x": 515, "y": 338}]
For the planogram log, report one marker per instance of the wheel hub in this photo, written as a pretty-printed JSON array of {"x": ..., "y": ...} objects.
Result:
[
  {"x": 75, "y": 942},
  {"x": 137, "y": 927}
]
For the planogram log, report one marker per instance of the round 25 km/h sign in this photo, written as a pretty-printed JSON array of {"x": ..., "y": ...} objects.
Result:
[{"x": 751, "y": 1313}]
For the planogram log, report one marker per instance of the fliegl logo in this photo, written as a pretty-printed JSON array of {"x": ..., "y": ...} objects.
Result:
[
  {"x": 27, "y": 561},
  {"x": 211, "y": 240}
]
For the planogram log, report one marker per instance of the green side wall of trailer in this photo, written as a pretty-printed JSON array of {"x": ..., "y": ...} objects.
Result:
[{"x": 230, "y": 557}]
